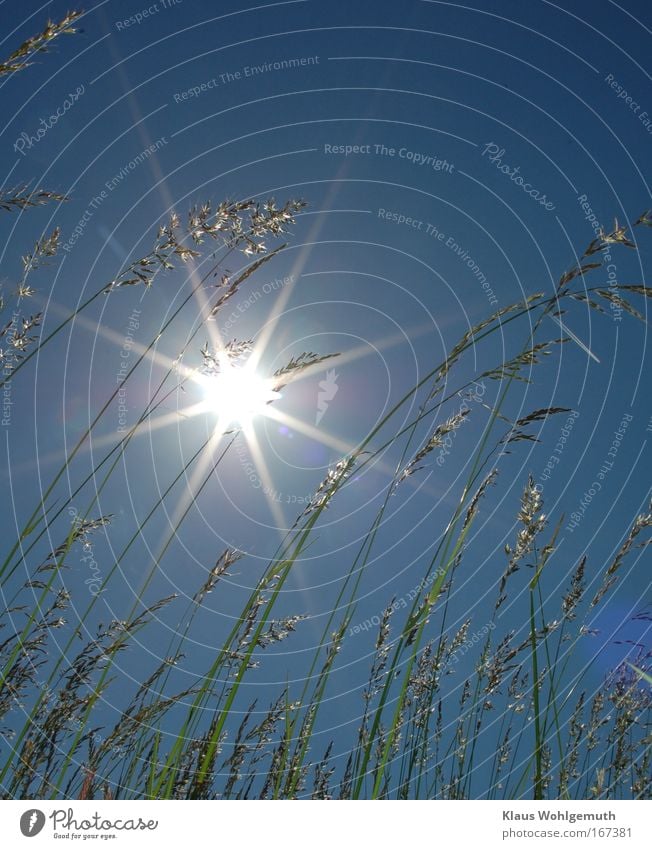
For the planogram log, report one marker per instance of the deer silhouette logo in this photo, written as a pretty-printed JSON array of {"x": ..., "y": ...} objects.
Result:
[{"x": 327, "y": 391}]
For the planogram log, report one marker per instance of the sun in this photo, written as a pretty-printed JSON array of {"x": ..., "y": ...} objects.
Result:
[{"x": 237, "y": 394}]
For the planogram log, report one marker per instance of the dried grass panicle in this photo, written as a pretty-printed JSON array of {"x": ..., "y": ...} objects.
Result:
[
  {"x": 22, "y": 197},
  {"x": 497, "y": 665},
  {"x": 530, "y": 357},
  {"x": 167, "y": 246},
  {"x": 346, "y": 784},
  {"x": 242, "y": 224},
  {"x": 279, "y": 630},
  {"x": 87, "y": 788},
  {"x": 241, "y": 749},
  {"x": 17, "y": 330},
  {"x": 23, "y": 290},
  {"x": 641, "y": 522},
  {"x": 631, "y": 702},
  {"x": 268, "y": 218},
  {"x": 258, "y": 745},
  {"x": 136, "y": 719},
  {"x": 533, "y": 523},
  {"x": 219, "y": 570},
  {"x": 568, "y": 770},
  {"x": 82, "y": 527},
  {"x": 503, "y": 754},
  {"x": 22, "y": 674},
  {"x": 40, "y": 43},
  {"x": 517, "y": 689},
  {"x": 597, "y": 721},
  {"x": 581, "y": 296},
  {"x": 618, "y": 236},
  {"x": 576, "y": 590},
  {"x": 381, "y": 653},
  {"x": 423, "y": 684},
  {"x": 327, "y": 488},
  {"x": 237, "y": 653},
  {"x": 58, "y": 715},
  {"x": 531, "y": 518},
  {"x": 323, "y": 776},
  {"x": 618, "y": 301},
  {"x": 195, "y": 776},
  {"x": 612, "y": 294},
  {"x": 459, "y": 637},
  {"x": 472, "y": 509},
  {"x": 435, "y": 440},
  {"x": 463, "y": 343},
  {"x": 374, "y": 684},
  {"x": 43, "y": 250},
  {"x": 127, "y": 627},
  {"x": 577, "y": 271},
  {"x": 546, "y": 767},
  {"x": 541, "y": 415},
  {"x": 19, "y": 337},
  {"x": 214, "y": 359},
  {"x": 296, "y": 365},
  {"x": 297, "y": 770},
  {"x": 146, "y": 688},
  {"x": 230, "y": 286},
  {"x": 24, "y": 652},
  {"x": 238, "y": 224}
]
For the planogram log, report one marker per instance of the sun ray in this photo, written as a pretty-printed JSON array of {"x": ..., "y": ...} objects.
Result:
[
  {"x": 110, "y": 335},
  {"x": 265, "y": 478},
  {"x": 342, "y": 447},
  {"x": 188, "y": 496},
  {"x": 205, "y": 310},
  {"x": 360, "y": 352},
  {"x": 268, "y": 329}
]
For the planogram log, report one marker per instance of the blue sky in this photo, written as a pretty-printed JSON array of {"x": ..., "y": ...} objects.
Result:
[{"x": 393, "y": 121}]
